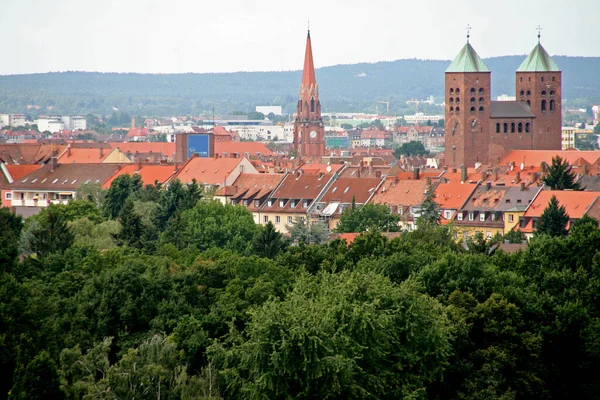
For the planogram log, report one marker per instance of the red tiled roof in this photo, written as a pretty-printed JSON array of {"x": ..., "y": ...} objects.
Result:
[
  {"x": 576, "y": 203},
  {"x": 394, "y": 192},
  {"x": 453, "y": 195},
  {"x": 17, "y": 171},
  {"x": 254, "y": 148},
  {"x": 535, "y": 157},
  {"x": 168, "y": 149},
  {"x": 87, "y": 156},
  {"x": 373, "y": 134},
  {"x": 212, "y": 171},
  {"x": 346, "y": 189},
  {"x": 149, "y": 173}
]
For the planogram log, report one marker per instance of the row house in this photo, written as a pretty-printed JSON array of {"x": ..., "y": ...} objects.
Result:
[
  {"x": 214, "y": 173},
  {"x": 493, "y": 210},
  {"x": 251, "y": 191},
  {"x": 375, "y": 138},
  {"x": 403, "y": 197},
  {"x": 96, "y": 155},
  {"x": 430, "y": 137},
  {"x": 451, "y": 196},
  {"x": 340, "y": 195},
  {"x": 576, "y": 203},
  {"x": 292, "y": 198}
]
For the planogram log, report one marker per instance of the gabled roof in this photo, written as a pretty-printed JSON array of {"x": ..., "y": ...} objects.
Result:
[
  {"x": 394, "y": 192},
  {"x": 301, "y": 186},
  {"x": 576, "y": 203},
  {"x": 253, "y": 185},
  {"x": 500, "y": 198},
  {"x": 510, "y": 109},
  {"x": 253, "y": 148},
  {"x": 65, "y": 177},
  {"x": 82, "y": 155},
  {"x": 344, "y": 190},
  {"x": 17, "y": 171},
  {"x": 149, "y": 173},
  {"x": 167, "y": 149},
  {"x": 211, "y": 171},
  {"x": 538, "y": 61},
  {"x": 453, "y": 195},
  {"x": 467, "y": 61},
  {"x": 535, "y": 157}
]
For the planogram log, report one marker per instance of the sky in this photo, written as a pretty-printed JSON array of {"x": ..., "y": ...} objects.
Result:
[{"x": 172, "y": 36}]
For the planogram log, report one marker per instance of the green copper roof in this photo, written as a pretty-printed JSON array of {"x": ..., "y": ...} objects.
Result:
[
  {"x": 468, "y": 61},
  {"x": 538, "y": 61}
]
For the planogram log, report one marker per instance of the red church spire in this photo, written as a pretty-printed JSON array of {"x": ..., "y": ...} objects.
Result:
[{"x": 308, "y": 75}]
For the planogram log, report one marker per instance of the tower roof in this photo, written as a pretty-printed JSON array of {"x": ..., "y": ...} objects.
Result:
[
  {"x": 468, "y": 61},
  {"x": 538, "y": 61},
  {"x": 308, "y": 75}
]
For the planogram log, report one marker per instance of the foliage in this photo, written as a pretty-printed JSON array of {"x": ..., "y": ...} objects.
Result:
[
  {"x": 268, "y": 242},
  {"x": 120, "y": 189},
  {"x": 305, "y": 232},
  {"x": 131, "y": 226},
  {"x": 53, "y": 234},
  {"x": 560, "y": 176},
  {"x": 554, "y": 219},
  {"x": 10, "y": 230},
  {"x": 429, "y": 209},
  {"x": 515, "y": 236},
  {"x": 368, "y": 217},
  {"x": 412, "y": 148}
]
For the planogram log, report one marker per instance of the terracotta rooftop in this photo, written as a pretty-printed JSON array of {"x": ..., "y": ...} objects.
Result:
[
  {"x": 212, "y": 171},
  {"x": 576, "y": 203},
  {"x": 150, "y": 173},
  {"x": 536, "y": 157},
  {"x": 500, "y": 198},
  {"x": 343, "y": 190},
  {"x": 65, "y": 176},
  {"x": 396, "y": 192},
  {"x": 17, "y": 171},
  {"x": 453, "y": 195},
  {"x": 301, "y": 186}
]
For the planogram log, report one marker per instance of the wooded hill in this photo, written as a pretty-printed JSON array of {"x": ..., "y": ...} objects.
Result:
[{"x": 342, "y": 87}]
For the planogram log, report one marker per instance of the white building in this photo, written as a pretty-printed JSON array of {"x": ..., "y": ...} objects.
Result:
[
  {"x": 12, "y": 120},
  {"x": 505, "y": 97},
  {"x": 421, "y": 118},
  {"x": 266, "y": 110},
  {"x": 73, "y": 122},
  {"x": 50, "y": 124},
  {"x": 281, "y": 133}
]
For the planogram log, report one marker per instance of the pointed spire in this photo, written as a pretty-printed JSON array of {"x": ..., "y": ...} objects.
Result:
[
  {"x": 538, "y": 60},
  {"x": 308, "y": 74},
  {"x": 468, "y": 61}
]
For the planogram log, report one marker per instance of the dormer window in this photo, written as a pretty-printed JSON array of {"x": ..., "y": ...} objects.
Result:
[
  {"x": 482, "y": 217},
  {"x": 294, "y": 203},
  {"x": 256, "y": 203},
  {"x": 471, "y": 215},
  {"x": 305, "y": 203},
  {"x": 281, "y": 203},
  {"x": 270, "y": 203},
  {"x": 459, "y": 216}
]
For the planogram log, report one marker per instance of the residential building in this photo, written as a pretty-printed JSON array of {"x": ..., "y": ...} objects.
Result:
[
  {"x": 12, "y": 120},
  {"x": 403, "y": 197},
  {"x": 214, "y": 173}
]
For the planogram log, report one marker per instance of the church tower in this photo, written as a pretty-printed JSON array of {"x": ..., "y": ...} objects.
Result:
[
  {"x": 309, "y": 134},
  {"x": 539, "y": 84},
  {"x": 468, "y": 103}
]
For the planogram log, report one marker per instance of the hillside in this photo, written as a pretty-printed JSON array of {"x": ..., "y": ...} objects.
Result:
[{"x": 343, "y": 88}]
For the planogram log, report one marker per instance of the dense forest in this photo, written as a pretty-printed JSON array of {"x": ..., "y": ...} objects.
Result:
[
  {"x": 343, "y": 88},
  {"x": 144, "y": 293}
]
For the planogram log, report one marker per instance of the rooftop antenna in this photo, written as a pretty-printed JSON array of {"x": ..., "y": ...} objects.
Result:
[
  {"x": 468, "y": 32},
  {"x": 539, "y": 29}
]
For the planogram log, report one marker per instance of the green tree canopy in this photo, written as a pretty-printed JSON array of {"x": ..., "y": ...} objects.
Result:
[
  {"x": 429, "y": 209},
  {"x": 412, "y": 148},
  {"x": 554, "y": 219},
  {"x": 560, "y": 176},
  {"x": 368, "y": 217}
]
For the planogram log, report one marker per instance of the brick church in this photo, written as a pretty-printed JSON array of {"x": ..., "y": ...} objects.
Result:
[
  {"x": 309, "y": 132},
  {"x": 479, "y": 130}
]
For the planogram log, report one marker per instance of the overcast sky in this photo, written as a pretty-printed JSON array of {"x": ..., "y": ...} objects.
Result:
[{"x": 166, "y": 36}]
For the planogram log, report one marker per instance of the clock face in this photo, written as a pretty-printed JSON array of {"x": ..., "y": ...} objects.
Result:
[{"x": 313, "y": 134}]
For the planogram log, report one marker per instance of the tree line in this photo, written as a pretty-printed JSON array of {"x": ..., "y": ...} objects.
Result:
[{"x": 149, "y": 292}]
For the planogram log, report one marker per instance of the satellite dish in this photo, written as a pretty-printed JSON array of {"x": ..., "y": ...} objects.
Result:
[{"x": 328, "y": 169}]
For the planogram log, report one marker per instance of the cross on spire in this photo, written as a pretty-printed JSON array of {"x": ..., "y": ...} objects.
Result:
[
  {"x": 308, "y": 23},
  {"x": 468, "y": 32},
  {"x": 539, "y": 29}
]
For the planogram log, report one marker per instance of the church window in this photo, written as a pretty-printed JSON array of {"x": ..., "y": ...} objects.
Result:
[
  {"x": 552, "y": 93},
  {"x": 552, "y": 79},
  {"x": 457, "y": 90},
  {"x": 312, "y": 105},
  {"x": 505, "y": 127},
  {"x": 528, "y": 93},
  {"x": 481, "y": 90},
  {"x": 552, "y": 105},
  {"x": 472, "y": 100},
  {"x": 457, "y": 100},
  {"x": 512, "y": 127},
  {"x": 529, "y": 103},
  {"x": 457, "y": 108},
  {"x": 521, "y": 79},
  {"x": 497, "y": 127},
  {"x": 520, "y": 127},
  {"x": 481, "y": 99},
  {"x": 480, "y": 108},
  {"x": 451, "y": 109},
  {"x": 472, "y": 90},
  {"x": 543, "y": 92},
  {"x": 522, "y": 93},
  {"x": 451, "y": 100},
  {"x": 542, "y": 79},
  {"x": 543, "y": 105},
  {"x": 451, "y": 91},
  {"x": 472, "y": 109},
  {"x": 527, "y": 127}
]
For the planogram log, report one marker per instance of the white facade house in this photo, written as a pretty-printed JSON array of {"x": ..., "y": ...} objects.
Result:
[
  {"x": 74, "y": 122},
  {"x": 421, "y": 118},
  {"x": 51, "y": 124},
  {"x": 12, "y": 120},
  {"x": 283, "y": 133}
]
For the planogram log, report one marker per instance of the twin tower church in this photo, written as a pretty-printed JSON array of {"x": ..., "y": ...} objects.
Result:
[{"x": 478, "y": 130}]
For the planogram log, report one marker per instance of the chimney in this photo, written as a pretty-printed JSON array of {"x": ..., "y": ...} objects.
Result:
[
  {"x": 139, "y": 164},
  {"x": 416, "y": 173},
  {"x": 511, "y": 165},
  {"x": 53, "y": 163},
  {"x": 463, "y": 173},
  {"x": 488, "y": 185},
  {"x": 518, "y": 177},
  {"x": 69, "y": 150},
  {"x": 522, "y": 186},
  {"x": 133, "y": 122},
  {"x": 101, "y": 152}
]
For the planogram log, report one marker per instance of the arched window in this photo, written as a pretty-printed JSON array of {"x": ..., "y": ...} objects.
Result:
[
  {"x": 481, "y": 90},
  {"x": 543, "y": 105},
  {"x": 552, "y": 79},
  {"x": 457, "y": 108},
  {"x": 521, "y": 79},
  {"x": 542, "y": 79},
  {"x": 451, "y": 100},
  {"x": 457, "y": 100},
  {"x": 529, "y": 103},
  {"x": 520, "y": 127},
  {"x": 457, "y": 90},
  {"x": 512, "y": 127},
  {"x": 543, "y": 92},
  {"x": 505, "y": 127},
  {"x": 481, "y": 99},
  {"x": 552, "y": 105},
  {"x": 522, "y": 93},
  {"x": 472, "y": 100},
  {"x": 472, "y": 90},
  {"x": 451, "y": 90},
  {"x": 528, "y": 93},
  {"x": 451, "y": 109},
  {"x": 472, "y": 109},
  {"x": 529, "y": 79},
  {"x": 480, "y": 108},
  {"x": 527, "y": 127},
  {"x": 552, "y": 93},
  {"x": 312, "y": 105},
  {"x": 497, "y": 127}
]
